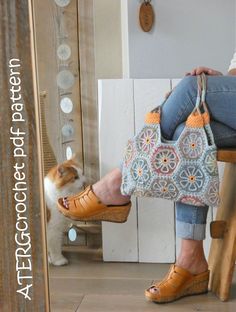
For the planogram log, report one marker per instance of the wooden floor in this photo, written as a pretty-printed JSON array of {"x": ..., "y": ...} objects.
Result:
[{"x": 88, "y": 284}]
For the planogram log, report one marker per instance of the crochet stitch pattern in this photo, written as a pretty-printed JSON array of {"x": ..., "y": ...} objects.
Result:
[{"x": 184, "y": 170}]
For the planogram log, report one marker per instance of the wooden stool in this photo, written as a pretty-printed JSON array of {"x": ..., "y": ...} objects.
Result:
[{"x": 223, "y": 231}]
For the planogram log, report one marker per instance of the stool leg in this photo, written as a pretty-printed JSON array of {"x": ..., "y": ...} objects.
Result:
[{"x": 223, "y": 251}]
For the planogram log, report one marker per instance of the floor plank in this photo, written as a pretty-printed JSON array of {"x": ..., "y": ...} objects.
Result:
[
  {"x": 130, "y": 303},
  {"x": 62, "y": 303},
  {"x": 88, "y": 284}
]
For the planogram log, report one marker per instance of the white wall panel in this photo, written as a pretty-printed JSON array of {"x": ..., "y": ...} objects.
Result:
[{"x": 116, "y": 126}]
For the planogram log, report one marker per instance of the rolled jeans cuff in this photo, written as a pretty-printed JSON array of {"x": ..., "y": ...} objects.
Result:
[{"x": 190, "y": 231}]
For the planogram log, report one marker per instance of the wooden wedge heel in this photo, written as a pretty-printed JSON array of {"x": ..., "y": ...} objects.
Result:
[
  {"x": 178, "y": 283},
  {"x": 86, "y": 206}
]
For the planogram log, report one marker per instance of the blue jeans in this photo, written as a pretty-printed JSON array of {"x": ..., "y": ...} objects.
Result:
[{"x": 221, "y": 101}]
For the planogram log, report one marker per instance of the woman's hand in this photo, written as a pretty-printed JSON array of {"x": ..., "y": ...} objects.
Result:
[
  {"x": 198, "y": 71},
  {"x": 202, "y": 69}
]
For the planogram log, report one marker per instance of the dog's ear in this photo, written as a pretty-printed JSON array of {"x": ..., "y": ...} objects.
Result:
[
  {"x": 75, "y": 158},
  {"x": 61, "y": 170}
]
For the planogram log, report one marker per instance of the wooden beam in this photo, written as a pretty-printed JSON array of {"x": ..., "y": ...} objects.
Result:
[
  {"x": 223, "y": 251},
  {"x": 227, "y": 155},
  {"x": 88, "y": 89},
  {"x": 23, "y": 264},
  {"x": 57, "y": 26}
]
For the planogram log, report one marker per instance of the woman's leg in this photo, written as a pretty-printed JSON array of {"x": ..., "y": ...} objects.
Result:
[
  {"x": 192, "y": 257},
  {"x": 191, "y": 228},
  {"x": 221, "y": 99},
  {"x": 108, "y": 189},
  {"x": 191, "y": 220}
]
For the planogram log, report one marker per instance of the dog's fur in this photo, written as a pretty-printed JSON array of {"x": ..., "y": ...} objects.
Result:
[{"x": 61, "y": 181}]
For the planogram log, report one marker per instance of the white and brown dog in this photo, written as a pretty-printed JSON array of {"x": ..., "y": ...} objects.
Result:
[{"x": 62, "y": 180}]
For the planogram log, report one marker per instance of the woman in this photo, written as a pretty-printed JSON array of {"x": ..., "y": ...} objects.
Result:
[{"x": 104, "y": 201}]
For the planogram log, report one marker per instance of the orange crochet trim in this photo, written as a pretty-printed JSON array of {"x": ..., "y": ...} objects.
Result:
[
  {"x": 206, "y": 118},
  {"x": 195, "y": 121},
  {"x": 152, "y": 118}
]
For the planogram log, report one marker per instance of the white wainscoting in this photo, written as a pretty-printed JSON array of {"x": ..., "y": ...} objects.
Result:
[{"x": 149, "y": 233}]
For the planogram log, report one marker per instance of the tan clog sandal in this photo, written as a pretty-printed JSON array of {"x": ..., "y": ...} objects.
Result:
[
  {"x": 178, "y": 283},
  {"x": 86, "y": 206}
]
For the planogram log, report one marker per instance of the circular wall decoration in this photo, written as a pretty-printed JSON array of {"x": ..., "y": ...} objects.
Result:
[
  {"x": 62, "y": 3},
  {"x": 69, "y": 153},
  {"x": 65, "y": 79},
  {"x": 64, "y": 52},
  {"x": 66, "y": 105},
  {"x": 67, "y": 130},
  {"x": 72, "y": 234}
]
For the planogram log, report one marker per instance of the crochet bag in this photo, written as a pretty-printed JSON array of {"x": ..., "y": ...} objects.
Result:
[{"x": 184, "y": 170}]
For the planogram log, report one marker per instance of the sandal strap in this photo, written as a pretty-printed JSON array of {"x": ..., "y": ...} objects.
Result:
[
  {"x": 87, "y": 190},
  {"x": 85, "y": 201},
  {"x": 174, "y": 278}
]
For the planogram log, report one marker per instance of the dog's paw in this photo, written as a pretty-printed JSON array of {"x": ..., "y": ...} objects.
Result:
[{"x": 58, "y": 261}]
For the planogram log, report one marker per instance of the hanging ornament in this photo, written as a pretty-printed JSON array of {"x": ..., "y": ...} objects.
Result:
[
  {"x": 65, "y": 79},
  {"x": 64, "y": 52},
  {"x": 62, "y": 3},
  {"x": 146, "y": 16}
]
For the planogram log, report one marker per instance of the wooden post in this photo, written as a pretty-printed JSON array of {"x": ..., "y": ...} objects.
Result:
[
  {"x": 223, "y": 251},
  {"x": 57, "y": 26},
  {"x": 23, "y": 262},
  {"x": 88, "y": 89}
]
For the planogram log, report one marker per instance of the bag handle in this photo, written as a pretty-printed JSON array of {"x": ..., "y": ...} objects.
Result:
[
  {"x": 197, "y": 118},
  {"x": 202, "y": 89},
  {"x": 201, "y": 92},
  {"x": 206, "y": 115},
  {"x": 201, "y": 104}
]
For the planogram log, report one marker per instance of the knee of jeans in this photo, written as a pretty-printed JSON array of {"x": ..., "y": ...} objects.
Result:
[
  {"x": 188, "y": 83},
  {"x": 189, "y": 80},
  {"x": 178, "y": 131}
]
